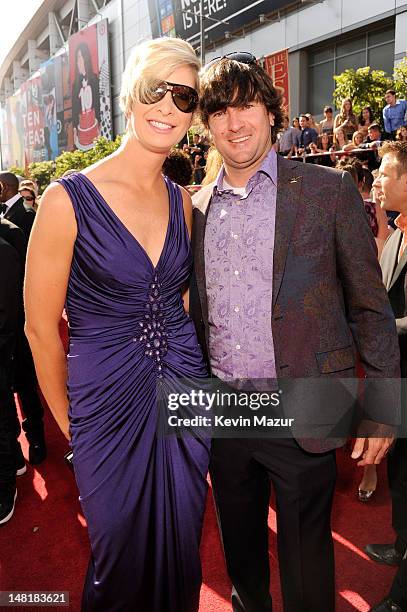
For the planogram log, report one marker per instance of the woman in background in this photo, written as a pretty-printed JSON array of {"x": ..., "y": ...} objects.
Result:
[
  {"x": 346, "y": 119},
  {"x": 28, "y": 191},
  {"x": 296, "y": 123},
  {"x": 339, "y": 140},
  {"x": 401, "y": 133},
  {"x": 113, "y": 244},
  {"x": 357, "y": 139},
  {"x": 213, "y": 165},
  {"x": 365, "y": 120}
]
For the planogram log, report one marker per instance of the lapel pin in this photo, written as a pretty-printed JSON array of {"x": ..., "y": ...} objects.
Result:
[{"x": 295, "y": 179}]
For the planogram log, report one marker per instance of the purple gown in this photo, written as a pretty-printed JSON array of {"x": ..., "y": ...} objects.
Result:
[{"x": 142, "y": 494}]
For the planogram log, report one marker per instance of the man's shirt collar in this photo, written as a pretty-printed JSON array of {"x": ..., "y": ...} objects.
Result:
[
  {"x": 268, "y": 167},
  {"x": 401, "y": 222},
  {"x": 9, "y": 203}
]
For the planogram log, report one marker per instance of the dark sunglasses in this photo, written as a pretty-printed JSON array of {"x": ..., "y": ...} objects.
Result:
[
  {"x": 185, "y": 98},
  {"x": 29, "y": 198},
  {"x": 244, "y": 57}
]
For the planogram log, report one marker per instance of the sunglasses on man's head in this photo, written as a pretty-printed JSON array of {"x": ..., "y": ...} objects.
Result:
[
  {"x": 244, "y": 57},
  {"x": 185, "y": 98}
]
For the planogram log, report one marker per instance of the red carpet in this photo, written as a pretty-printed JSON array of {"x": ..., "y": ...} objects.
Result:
[{"x": 45, "y": 545}]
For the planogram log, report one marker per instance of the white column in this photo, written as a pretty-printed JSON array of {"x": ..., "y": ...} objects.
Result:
[
  {"x": 55, "y": 41},
  {"x": 35, "y": 56},
  {"x": 83, "y": 13},
  {"x": 8, "y": 87},
  {"x": 19, "y": 74}
]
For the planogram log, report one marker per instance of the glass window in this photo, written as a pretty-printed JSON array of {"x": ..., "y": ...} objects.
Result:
[
  {"x": 382, "y": 58},
  {"x": 320, "y": 87},
  {"x": 376, "y": 49},
  {"x": 350, "y": 46},
  {"x": 356, "y": 60},
  {"x": 383, "y": 36},
  {"x": 321, "y": 55}
]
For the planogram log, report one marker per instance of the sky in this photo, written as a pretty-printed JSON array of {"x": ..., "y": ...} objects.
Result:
[{"x": 15, "y": 22}]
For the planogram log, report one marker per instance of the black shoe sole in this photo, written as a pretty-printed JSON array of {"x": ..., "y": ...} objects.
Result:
[
  {"x": 383, "y": 561},
  {"x": 5, "y": 519}
]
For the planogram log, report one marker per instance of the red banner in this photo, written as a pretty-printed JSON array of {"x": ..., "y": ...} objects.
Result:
[{"x": 276, "y": 66}]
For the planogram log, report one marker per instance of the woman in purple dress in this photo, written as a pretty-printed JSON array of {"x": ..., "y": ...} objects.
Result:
[{"x": 112, "y": 244}]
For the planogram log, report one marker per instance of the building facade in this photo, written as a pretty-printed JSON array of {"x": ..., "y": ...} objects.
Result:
[{"x": 303, "y": 42}]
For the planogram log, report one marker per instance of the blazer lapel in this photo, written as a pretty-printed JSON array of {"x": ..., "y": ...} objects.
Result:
[
  {"x": 289, "y": 187},
  {"x": 201, "y": 210},
  {"x": 401, "y": 264},
  {"x": 13, "y": 209},
  {"x": 388, "y": 259}
]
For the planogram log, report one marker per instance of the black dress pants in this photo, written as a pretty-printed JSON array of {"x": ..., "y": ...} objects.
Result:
[
  {"x": 241, "y": 471},
  {"x": 26, "y": 386},
  {"x": 9, "y": 431}
]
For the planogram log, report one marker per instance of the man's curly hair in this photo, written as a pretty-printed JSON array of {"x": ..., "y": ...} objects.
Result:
[
  {"x": 231, "y": 83},
  {"x": 178, "y": 167}
]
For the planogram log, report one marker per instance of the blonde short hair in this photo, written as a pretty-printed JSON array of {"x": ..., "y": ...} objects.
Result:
[
  {"x": 357, "y": 133},
  {"x": 152, "y": 61}
]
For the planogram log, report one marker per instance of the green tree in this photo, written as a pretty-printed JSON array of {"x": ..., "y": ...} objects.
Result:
[
  {"x": 78, "y": 160},
  {"x": 101, "y": 149},
  {"x": 70, "y": 160},
  {"x": 365, "y": 87},
  {"x": 42, "y": 173},
  {"x": 17, "y": 170},
  {"x": 400, "y": 79}
]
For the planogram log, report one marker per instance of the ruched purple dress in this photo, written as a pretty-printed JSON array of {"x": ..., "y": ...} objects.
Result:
[{"x": 142, "y": 493}]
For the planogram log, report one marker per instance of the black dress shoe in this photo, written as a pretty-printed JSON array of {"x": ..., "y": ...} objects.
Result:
[
  {"x": 384, "y": 553},
  {"x": 7, "y": 503},
  {"x": 387, "y": 605}
]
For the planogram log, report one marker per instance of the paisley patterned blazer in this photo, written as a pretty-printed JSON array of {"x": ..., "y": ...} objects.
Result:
[{"x": 329, "y": 302}]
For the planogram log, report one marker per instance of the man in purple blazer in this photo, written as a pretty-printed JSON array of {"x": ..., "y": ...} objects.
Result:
[{"x": 287, "y": 289}]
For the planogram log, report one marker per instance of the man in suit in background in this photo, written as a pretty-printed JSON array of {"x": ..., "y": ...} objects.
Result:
[
  {"x": 287, "y": 286},
  {"x": 14, "y": 210},
  {"x": 391, "y": 185},
  {"x": 10, "y": 315},
  {"x": 12, "y": 204}
]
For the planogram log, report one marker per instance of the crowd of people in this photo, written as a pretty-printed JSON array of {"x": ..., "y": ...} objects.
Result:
[
  {"x": 286, "y": 286},
  {"x": 325, "y": 142},
  {"x": 345, "y": 132}
]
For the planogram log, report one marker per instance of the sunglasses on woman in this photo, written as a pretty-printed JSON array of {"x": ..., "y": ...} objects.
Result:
[
  {"x": 29, "y": 198},
  {"x": 185, "y": 98}
]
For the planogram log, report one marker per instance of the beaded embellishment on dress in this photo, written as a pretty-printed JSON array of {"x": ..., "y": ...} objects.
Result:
[{"x": 153, "y": 333}]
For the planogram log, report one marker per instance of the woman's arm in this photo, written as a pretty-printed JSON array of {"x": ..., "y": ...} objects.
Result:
[
  {"x": 338, "y": 124},
  {"x": 187, "y": 202},
  {"x": 349, "y": 147},
  {"x": 48, "y": 265}
]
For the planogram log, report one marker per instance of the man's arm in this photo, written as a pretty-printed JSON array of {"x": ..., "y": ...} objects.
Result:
[
  {"x": 369, "y": 313},
  {"x": 387, "y": 126},
  {"x": 371, "y": 322},
  {"x": 10, "y": 294}
]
